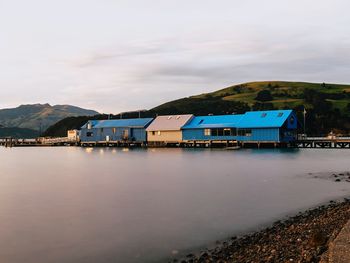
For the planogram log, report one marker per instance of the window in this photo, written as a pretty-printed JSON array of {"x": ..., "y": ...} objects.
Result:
[
  {"x": 89, "y": 134},
  {"x": 114, "y": 130},
  {"x": 153, "y": 133},
  {"x": 207, "y": 132},
  {"x": 220, "y": 132},
  {"x": 200, "y": 122},
  {"x": 263, "y": 115},
  {"x": 233, "y": 132},
  {"x": 292, "y": 120},
  {"x": 288, "y": 134},
  {"x": 280, "y": 114},
  {"x": 177, "y": 117},
  {"x": 158, "y": 133},
  {"x": 248, "y": 132},
  {"x": 245, "y": 132},
  {"x": 227, "y": 132},
  {"x": 101, "y": 130},
  {"x": 169, "y": 118}
]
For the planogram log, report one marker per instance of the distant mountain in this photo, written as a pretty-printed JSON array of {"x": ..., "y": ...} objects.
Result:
[
  {"x": 39, "y": 116},
  {"x": 327, "y": 105}
]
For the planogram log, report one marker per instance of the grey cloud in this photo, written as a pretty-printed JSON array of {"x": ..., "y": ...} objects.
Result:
[{"x": 172, "y": 69}]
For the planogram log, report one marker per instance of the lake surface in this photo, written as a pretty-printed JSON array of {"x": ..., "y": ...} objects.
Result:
[{"x": 117, "y": 205}]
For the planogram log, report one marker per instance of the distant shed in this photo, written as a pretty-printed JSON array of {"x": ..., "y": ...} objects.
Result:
[
  {"x": 127, "y": 130},
  {"x": 167, "y": 129}
]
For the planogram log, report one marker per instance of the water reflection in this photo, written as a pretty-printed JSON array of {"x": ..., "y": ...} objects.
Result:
[{"x": 139, "y": 205}]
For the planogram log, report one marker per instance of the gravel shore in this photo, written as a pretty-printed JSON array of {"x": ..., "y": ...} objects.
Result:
[{"x": 302, "y": 238}]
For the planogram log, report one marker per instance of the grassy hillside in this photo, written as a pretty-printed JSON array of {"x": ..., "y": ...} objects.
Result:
[
  {"x": 285, "y": 94},
  {"x": 327, "y": 105}
]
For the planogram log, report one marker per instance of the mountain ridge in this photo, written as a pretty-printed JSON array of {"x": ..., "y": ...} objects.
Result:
[{"x": 39, "y": 116}]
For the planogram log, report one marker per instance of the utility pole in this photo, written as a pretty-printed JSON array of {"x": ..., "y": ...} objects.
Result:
[{"x": 304, "y": 121}]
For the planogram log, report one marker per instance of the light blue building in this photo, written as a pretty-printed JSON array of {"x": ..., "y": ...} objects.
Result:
[
  {"x": 211, "y": 128},
  {"x": 121, "y": 130},
  {"x": 255, "y": 126}
]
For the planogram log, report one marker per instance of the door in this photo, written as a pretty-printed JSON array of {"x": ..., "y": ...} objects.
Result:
[{"x": 125, "y": 134}]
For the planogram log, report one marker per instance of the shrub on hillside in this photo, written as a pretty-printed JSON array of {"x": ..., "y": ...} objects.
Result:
[{"x": 264, "y": 95}]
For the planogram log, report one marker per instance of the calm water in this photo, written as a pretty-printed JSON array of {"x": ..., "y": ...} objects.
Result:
[{"x": 113, "y": 205}]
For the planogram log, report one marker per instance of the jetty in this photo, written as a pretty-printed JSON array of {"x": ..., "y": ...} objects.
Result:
[
  {"x": 13, "y": 142},
  {"x": 306, "y": 142},
  {"x": 322, "y": 142}
]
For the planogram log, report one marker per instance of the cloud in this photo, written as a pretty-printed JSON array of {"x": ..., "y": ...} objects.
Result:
[
  {"x": 144, "y": 74},
  {"x": 121, "y": 55}
]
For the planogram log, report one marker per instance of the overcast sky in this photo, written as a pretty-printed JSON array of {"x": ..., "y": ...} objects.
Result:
[{"x": 113, "y": 55}]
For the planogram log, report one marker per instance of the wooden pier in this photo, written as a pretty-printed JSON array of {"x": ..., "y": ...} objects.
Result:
[
  {"x": 13, "y": 142},
  {"x": 123, "y": 143},
  {"x": 310, "y": 142},
  {"x": 7, "y": 141},
  {"x": 321, "y": 142}
]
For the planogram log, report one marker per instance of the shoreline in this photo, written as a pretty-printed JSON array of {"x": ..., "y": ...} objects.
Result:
[{"x": 301, "y": 238}]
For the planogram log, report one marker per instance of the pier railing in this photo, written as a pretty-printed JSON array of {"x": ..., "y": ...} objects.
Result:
[{"x": 322, "y": 142}]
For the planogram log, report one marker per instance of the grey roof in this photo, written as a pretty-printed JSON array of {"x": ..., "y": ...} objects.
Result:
[{"x": 169, "y": 122}]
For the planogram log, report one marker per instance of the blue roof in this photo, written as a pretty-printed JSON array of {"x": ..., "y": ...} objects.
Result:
[
  {"x": 134, "y": 123},
  {"x": 251, "y": 119},
  {"x": 217, "y": 121},
  {"x": 264, "y": 119}
]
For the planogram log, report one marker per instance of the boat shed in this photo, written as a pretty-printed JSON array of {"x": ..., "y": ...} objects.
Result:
[
  {"x": 121, "y": 130},
  {"x": 167, "y": 129},
  {"x": 254, "y": 126},
  {"x": 267, "y": 126}
]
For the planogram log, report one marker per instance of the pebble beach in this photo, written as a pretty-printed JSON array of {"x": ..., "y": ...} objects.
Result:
[{"x": 301, "y": 238}]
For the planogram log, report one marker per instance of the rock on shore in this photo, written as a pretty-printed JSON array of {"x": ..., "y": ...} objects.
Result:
[
  {"x": 302, "y": 238},
  {"x": 336, "y": 177}
]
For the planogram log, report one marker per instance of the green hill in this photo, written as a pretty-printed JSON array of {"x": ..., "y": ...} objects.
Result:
[
  {"x": 285, "y": 94},
  {"x": 327, "y": 105}
]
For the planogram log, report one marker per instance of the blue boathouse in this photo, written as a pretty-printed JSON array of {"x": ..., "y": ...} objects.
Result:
[
  {"x": 277, "y": 126},
  {"x": 114, "y": 131}
]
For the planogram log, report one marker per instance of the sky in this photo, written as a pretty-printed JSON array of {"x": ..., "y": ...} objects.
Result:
[{"x": 116, "y": 55}]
